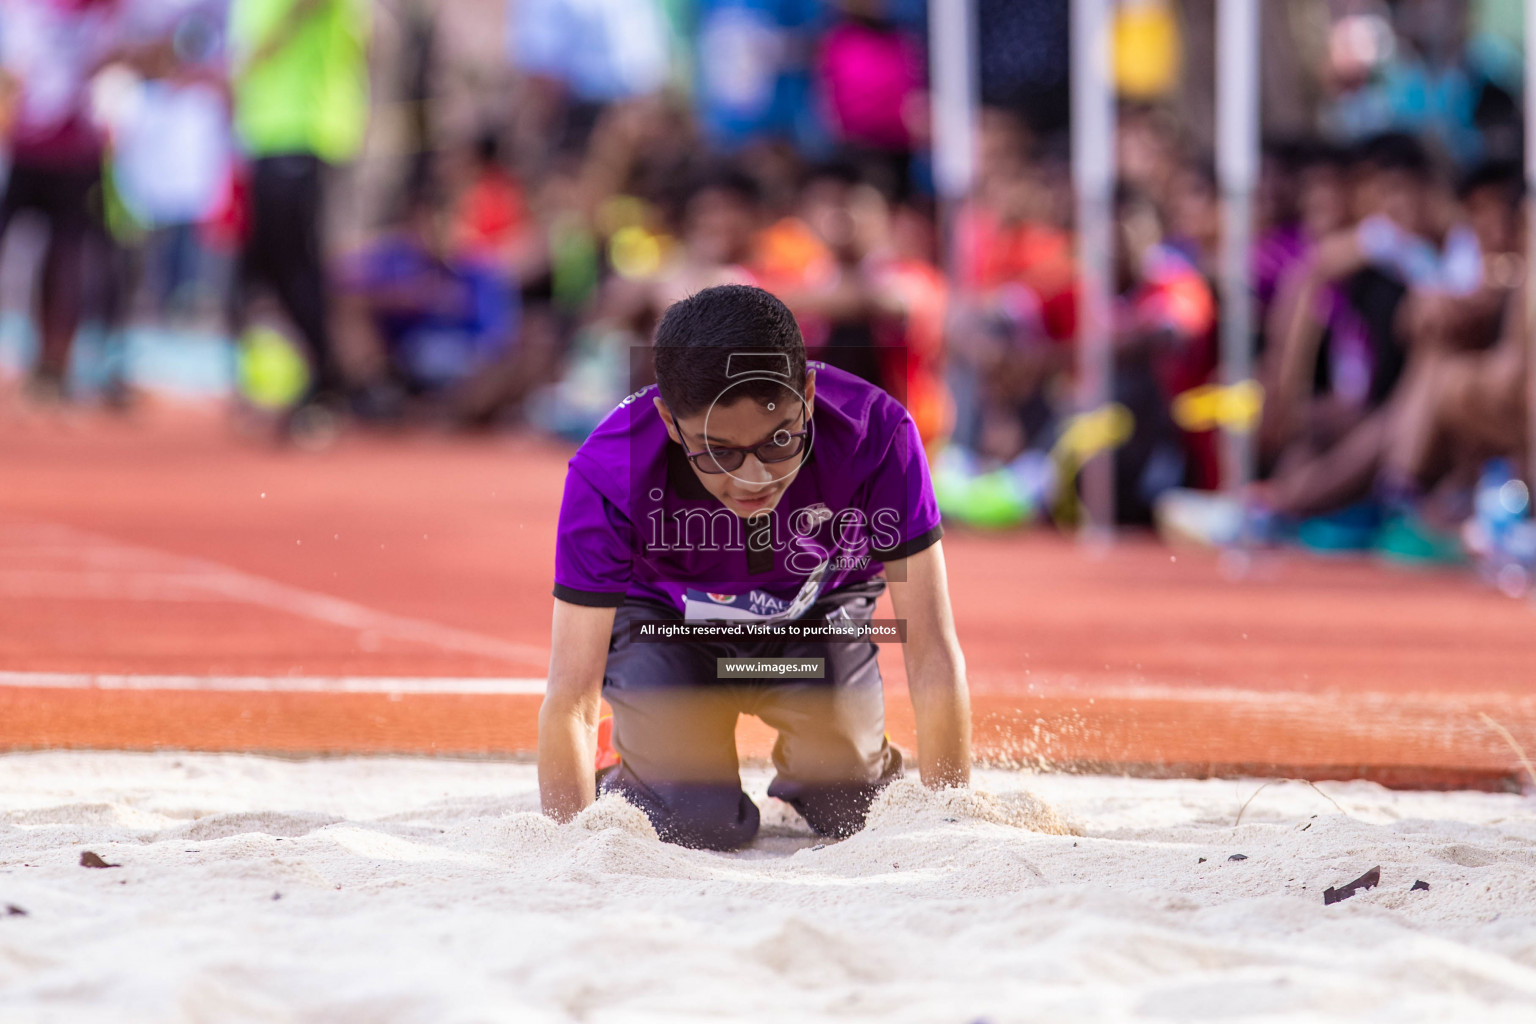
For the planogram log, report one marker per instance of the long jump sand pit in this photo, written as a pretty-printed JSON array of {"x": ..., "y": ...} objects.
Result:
[{"x": 386, "y": 890}]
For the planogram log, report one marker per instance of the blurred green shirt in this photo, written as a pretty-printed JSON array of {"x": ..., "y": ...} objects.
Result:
[{"x": 311, "y": 94}]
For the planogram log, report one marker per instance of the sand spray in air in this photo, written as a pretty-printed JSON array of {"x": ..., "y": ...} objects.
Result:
[{"x": 907, "y": 802}]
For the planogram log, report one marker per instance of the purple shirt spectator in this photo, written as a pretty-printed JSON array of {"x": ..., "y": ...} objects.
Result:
[{"x": 1273, "y": 257}]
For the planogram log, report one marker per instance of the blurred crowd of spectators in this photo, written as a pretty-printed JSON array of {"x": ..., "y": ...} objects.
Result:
[{"x": 643, "y": 149}]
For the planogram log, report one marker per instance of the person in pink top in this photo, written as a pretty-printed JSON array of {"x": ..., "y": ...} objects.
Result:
[{"x": 871, "y": 78}]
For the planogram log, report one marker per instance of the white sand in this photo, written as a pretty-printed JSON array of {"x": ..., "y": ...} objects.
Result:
[{"x": 427, "y": 891}]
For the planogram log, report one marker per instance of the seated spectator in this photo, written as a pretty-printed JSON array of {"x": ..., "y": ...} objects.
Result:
[
  {"x": 1164, "y": 314},
  {"x": 904, "y": 270},
  {"x": 860, "y": 276},
  {"x": 837, "y": 298},
  {"x": 491, "y": 219},
  {"x": 1337, "y": 353},
  {"x": 720, "y": 221},
  {"x": 609, "y": 358},
  {"x": 1401, "y": 480},
  {"x": 1015, "y": 311},
  {"x": 1195, "y": 231},
  {"x": 436, "y": 317},
  {"x": 1194, "y": 217},
  {"x": 1303, "y": 198},
  {"x": 717, "y": 224},
  {"x": 1450, "y": 406}
]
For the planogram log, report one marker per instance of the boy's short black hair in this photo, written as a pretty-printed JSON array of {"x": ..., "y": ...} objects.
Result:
[{"x": 724, "y": 343}]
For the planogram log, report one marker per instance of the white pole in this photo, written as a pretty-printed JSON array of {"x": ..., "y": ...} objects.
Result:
[
  {"x": 951, "y": 43},
  {"x": 1237, "y": 169},
  {"x": 1093, "y": 178},
  {"x": 955, "y": 92}
]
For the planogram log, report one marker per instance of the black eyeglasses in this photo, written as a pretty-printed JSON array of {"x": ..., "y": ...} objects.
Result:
[{"x": 784, "y": 445}]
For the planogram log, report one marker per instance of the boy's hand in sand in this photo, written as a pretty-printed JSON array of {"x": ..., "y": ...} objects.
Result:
[
  {"x": 568, "y": 716},
  {"x": 935, "y": 667}
]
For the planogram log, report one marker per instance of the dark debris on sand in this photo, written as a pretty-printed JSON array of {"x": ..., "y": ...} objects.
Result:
[{"x": 1369, "y": 880}]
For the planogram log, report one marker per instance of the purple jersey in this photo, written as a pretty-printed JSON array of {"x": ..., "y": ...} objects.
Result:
[{"x": 636, "y": 523}]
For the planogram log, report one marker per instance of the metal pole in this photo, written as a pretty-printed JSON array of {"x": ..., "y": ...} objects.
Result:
[
  {"x": 1237, "y": 168},
  {"x": 951, "y": 52},
  {"x": 1093, "y": 178},
  {"x": 956, "y": 91}
]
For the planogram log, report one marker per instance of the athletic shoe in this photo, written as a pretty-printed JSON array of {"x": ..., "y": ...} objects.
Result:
[
  {"x": 45, "y": 389},
  {"x": 1407, "y": 539},
  {"x": 1186, "y": 518},
  {"x": 117, "y": 395},
  {"x": 381, "y": 402},
  {"x": 1210, "y": 519},
  {"x": 313, "y": 426},
  {"x": 1500, "y": 533},
  {"x": 1508, "y": 561},
  {"x": 1353, "y": 528}
]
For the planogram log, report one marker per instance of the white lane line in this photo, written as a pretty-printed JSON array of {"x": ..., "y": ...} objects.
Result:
[
  {"x": 97, "y": 585},
  {"x": 173, "y": 575},
  {"x": 1381, "y": 701},
  {"x": 277, "y": 684}
]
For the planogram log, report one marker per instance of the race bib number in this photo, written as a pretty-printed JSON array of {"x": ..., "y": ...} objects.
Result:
[{"x": 754, "y": 605}]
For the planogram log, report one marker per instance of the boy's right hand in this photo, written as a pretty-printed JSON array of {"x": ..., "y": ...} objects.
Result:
[{"x": 572, "y": 702}]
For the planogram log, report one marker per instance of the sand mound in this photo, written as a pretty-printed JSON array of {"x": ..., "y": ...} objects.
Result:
[
  {"x": 614, "y": 812},
  {"x": 907, "y": 802}
]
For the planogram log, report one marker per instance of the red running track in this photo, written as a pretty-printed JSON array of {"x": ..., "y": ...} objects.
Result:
[{"x": 166, "y": 584}]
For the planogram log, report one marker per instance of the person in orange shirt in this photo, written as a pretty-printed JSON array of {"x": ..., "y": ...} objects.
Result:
[
  {"x": 1164, "y": 317},
  {"x": 1016, "y": 309},
  {"x": 861, "y": 282},
  {"x": 906, "y": 272}
]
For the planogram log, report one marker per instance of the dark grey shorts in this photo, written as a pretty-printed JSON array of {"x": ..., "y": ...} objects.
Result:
[{"x": 674, "y": 728}]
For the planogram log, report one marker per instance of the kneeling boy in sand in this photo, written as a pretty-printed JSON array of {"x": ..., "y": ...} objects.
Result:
[{"x": 751, "y": 488}]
